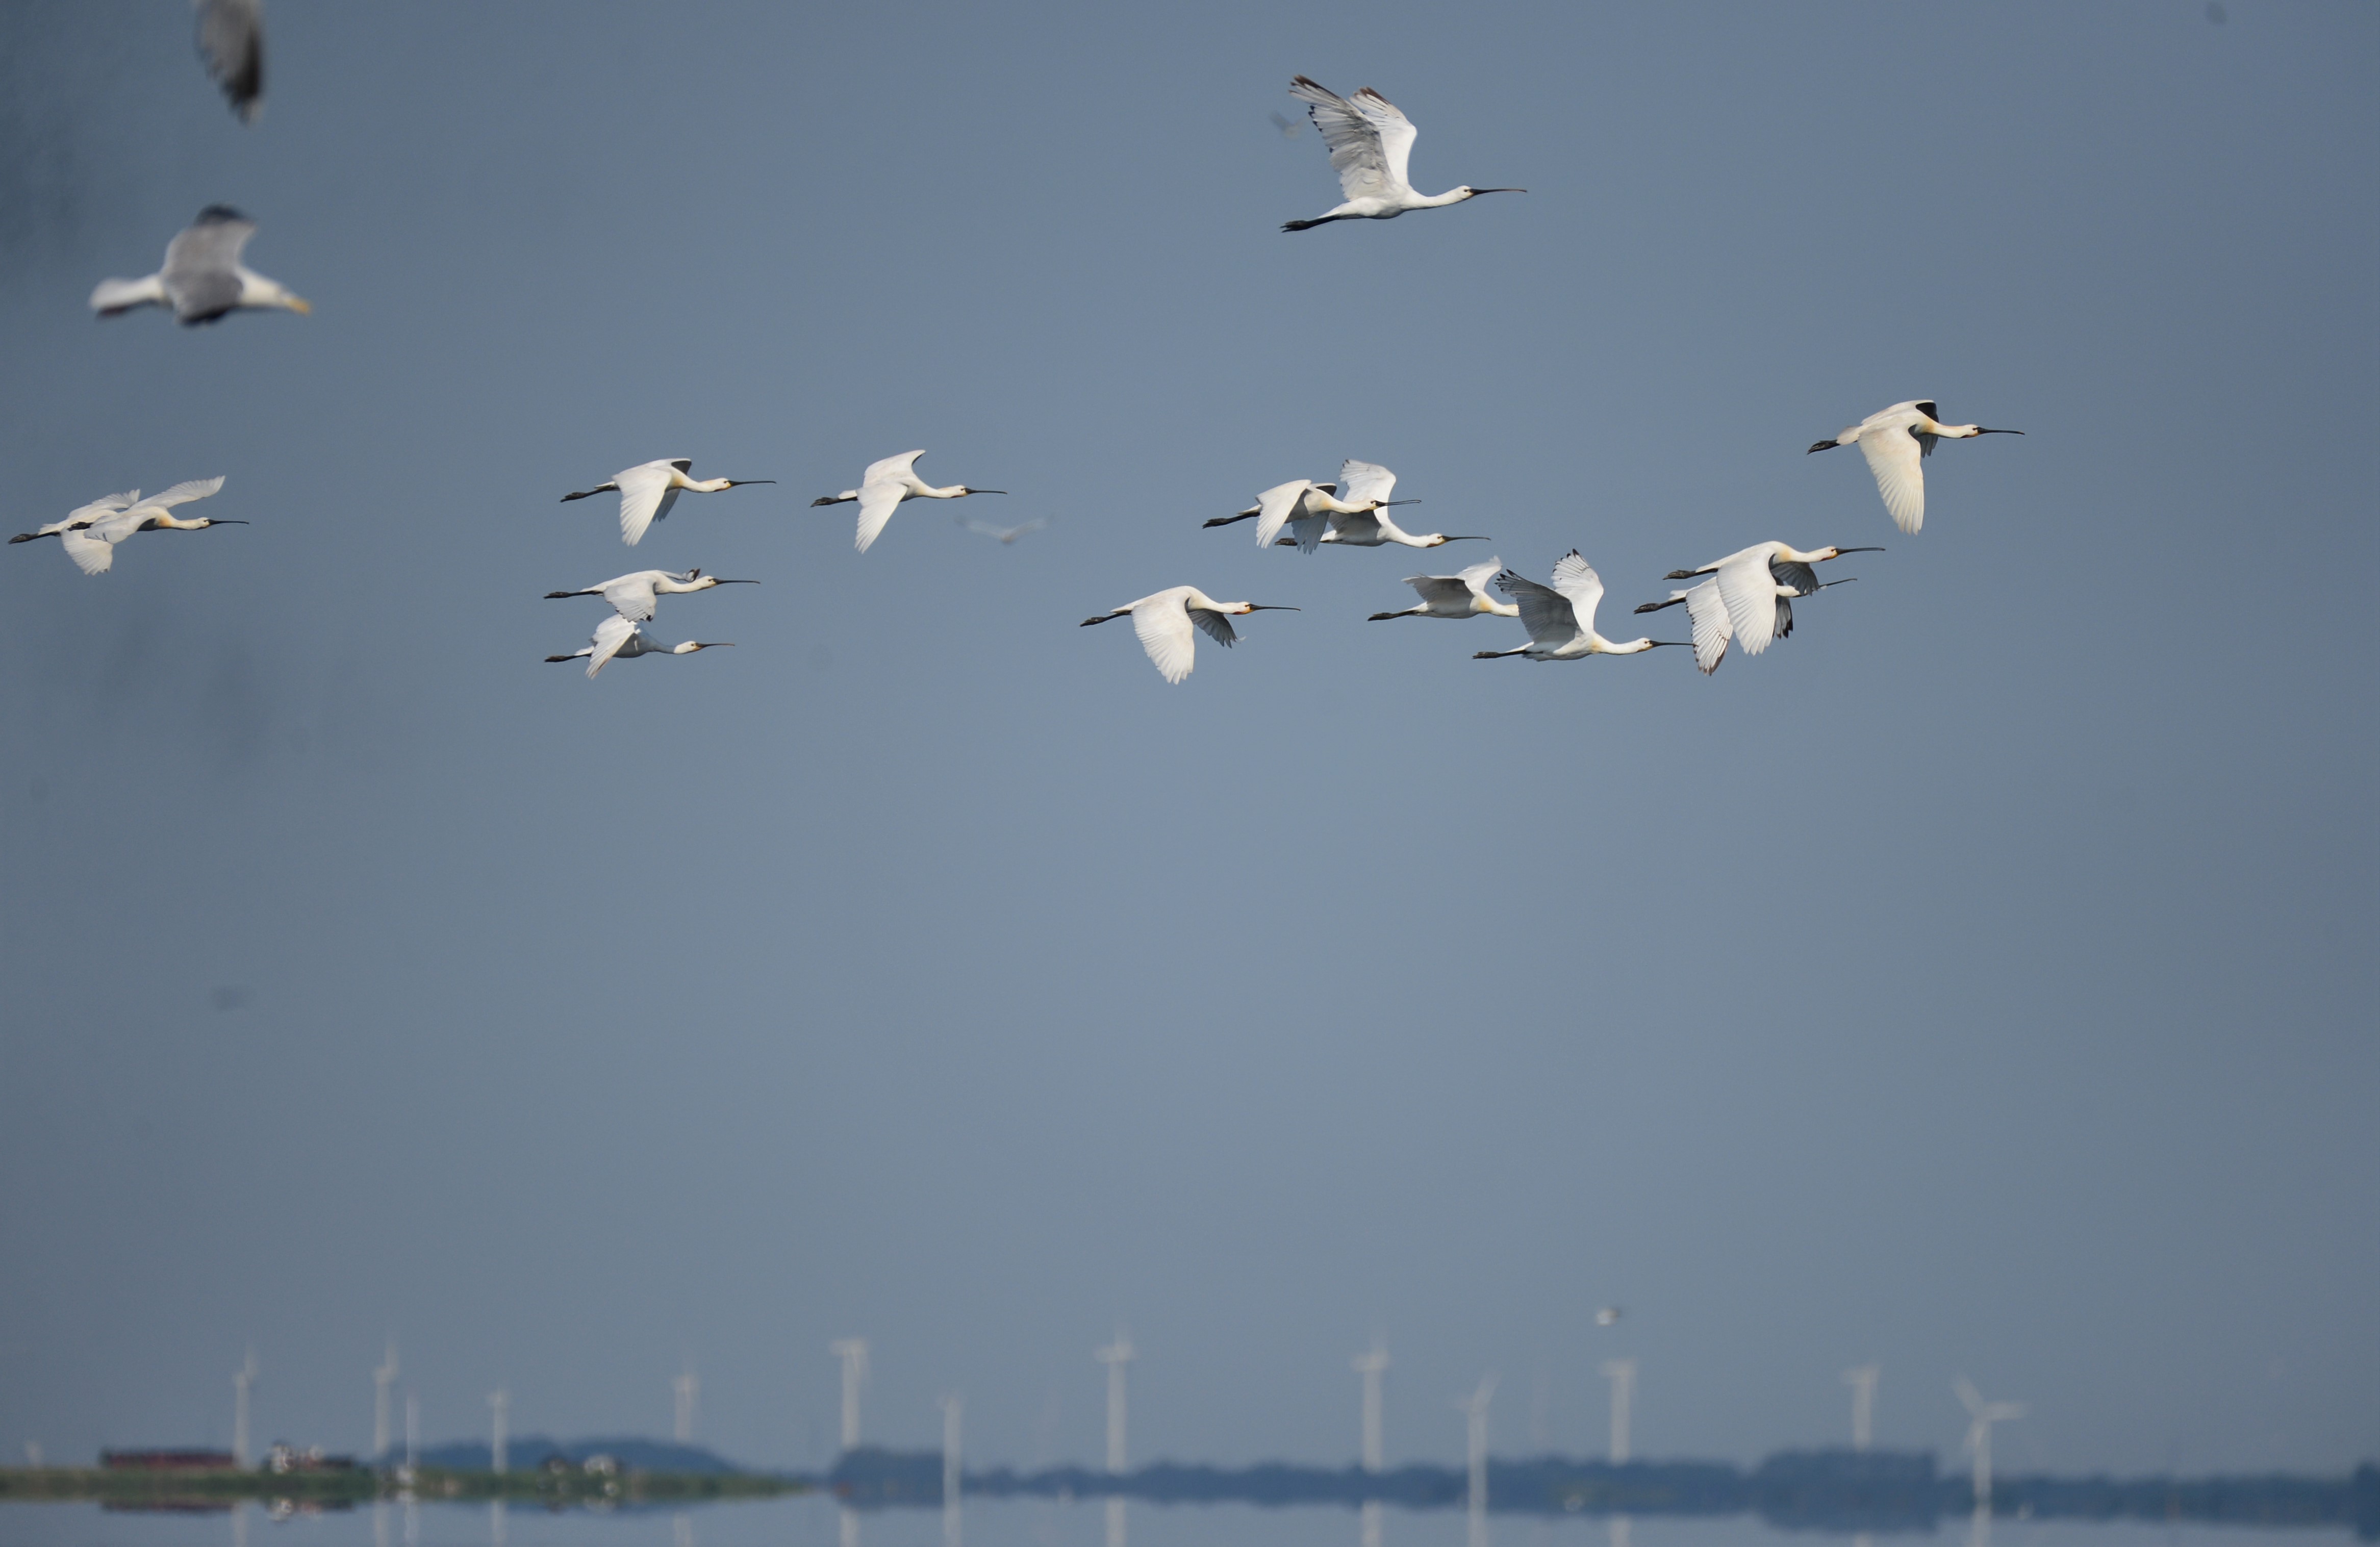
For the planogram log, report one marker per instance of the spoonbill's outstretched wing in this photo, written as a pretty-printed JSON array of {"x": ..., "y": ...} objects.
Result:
[
  {"x": 1545, "y": 612},
  {"x": 180, "y": 493},
  {"x": 1163, "y": 624},
  {"x": 1363, "y": 528},
  {"x": 1444, "y": 591},
  {"x": 610, "y": 635},
  {"x": 1214, "y": 625},
  {"x": 1707, "y": 611},
  {"x": 1368, "y": 139},
  {"x": 882, "y": 489},
  {"x": 201, "y": 272},
  {"x": 1895, "y": 456},
  {"x": 646, "y": 496},
  {"x": 92, "y": 547},
  {"x": 1273, "y": 509},
  {"x": 1749, "y": 592},
  {"x": 1577, "y": 580},
  {"x": 1362, "y": 482},
  {"x": 632, "y": 596},
  {"x": 231, "y": 40}
]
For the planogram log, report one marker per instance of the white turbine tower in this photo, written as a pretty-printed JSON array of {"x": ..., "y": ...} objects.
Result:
[
  {"x": 500, "y": 1403},
  {"x": 1982, "y": 1415},
  {"x": 1862, "y": 1379},
  {"x": 1116, "y": 1355},
  {"x": 1474, "y": 1409},
  {"x": 243, "y": 1380},
  {"x": 1371, "y": 1364},
  {"x": 853, "y": 1352},
  {"x": 1622, "y": 1375},
  {"x": 952, "y": 1409},
  {"x": 382, "y": 1378},
  {"x": 686, "y": 1388},
  {"x": 412, "y": 1436}
]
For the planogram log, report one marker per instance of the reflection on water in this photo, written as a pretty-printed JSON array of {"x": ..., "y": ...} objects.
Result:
[{"x": 813, "y": 1521}]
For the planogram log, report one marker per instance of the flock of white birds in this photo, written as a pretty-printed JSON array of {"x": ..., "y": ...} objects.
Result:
[{"x": 1745, "y": 600}]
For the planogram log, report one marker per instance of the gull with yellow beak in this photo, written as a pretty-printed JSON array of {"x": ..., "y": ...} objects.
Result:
[{"x": 203, "y": 279}]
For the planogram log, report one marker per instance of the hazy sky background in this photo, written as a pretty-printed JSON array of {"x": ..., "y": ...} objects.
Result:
[{"x": 1979, "y": 982}]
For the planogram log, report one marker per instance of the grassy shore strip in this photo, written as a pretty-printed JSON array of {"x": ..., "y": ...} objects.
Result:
[{"x": 132, "y": 1487}]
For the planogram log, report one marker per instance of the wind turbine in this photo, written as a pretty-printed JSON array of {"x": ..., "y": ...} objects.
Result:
[
  {"x": 500, "y": 1403},
  {"x": 1370, "y": 1365},
  {"x": 1623, "y": 1374},
  {"x": 1474, "y": 1407},
  {"x": 382, "y": 1378},
  {"x": 1116, "y": 1355},
  {"x": 243, "y": 1380},
  {"x": 1982, "y": 1415},
  {"x": 685, "y": 1387},
  {"x": 1862, "y": 1380},
  {"x": 952, "y": 1408},
  {"x": 853, "y": 1352}
]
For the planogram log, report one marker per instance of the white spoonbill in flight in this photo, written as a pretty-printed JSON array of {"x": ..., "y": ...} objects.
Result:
[
  {"x": 1706, "y": 610},
  {"x": 1756, "y": 586},
  {"x": 1896, "y": 441},
  {"x": 1302, "y": 504},
  {"x": 202, "y": 279},
  {"x": 92, "y": 544},
  {"x": 648, "y": 490},
  {"x": 618, "y": 637},
  {"x": 1368, "y": 486},
  {"x": 635, "y": 596},
  {"x": 1461, "y": 594},
  {"x": 884, "y": 485},
  {"x": 1369, "y": 140},
  {"x": 1561, "y": 617},
  {"x": 83, "y": 515},
  {"x": 1165, "y": 620}
]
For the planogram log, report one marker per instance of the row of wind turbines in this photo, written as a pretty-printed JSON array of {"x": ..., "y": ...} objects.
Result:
[{"x": 1116, "y": 1357}]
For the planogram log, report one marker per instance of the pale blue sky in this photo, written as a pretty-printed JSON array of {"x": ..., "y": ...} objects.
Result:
[{"x": 1979, "y": 982}]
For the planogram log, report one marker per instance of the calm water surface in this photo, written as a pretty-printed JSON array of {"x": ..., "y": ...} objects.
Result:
[{"x": 811, "y": 1522}]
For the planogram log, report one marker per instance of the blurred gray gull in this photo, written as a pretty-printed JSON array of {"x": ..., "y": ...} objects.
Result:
[
  {"x": 203, "y": 277},
  {"x": 231, "y": 44}
]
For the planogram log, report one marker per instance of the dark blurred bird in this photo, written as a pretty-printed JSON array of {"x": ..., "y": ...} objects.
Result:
[{"x": 231, "y": 44}]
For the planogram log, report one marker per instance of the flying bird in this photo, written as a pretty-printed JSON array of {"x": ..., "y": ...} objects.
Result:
[
  {"x": 1368, "y": 486},
  {"x": 1561, "y": 617},
  {"x": 1290, "y": 128},
  {"x": 1002, "y": 535},
  {"x": 1165, "y": 620},
  {"x": 83, "y": 515},
  {"x": 202, "y": 278},
  {"x": 231, "y": 43},
  {"x": 1306, "y": 507},
  {"x": 91, "y": 544},
  {"x": 635, "y": 596},
  {"x": 1369, "y": 140},
  {"x": 1896, "y": 441},
  {"x": 1607, "y": 1316},
  {"x": 618, "y": 637},
  {"x": 884, "y": 485},
  {"x": 1755, "y": 588},
  {"x": 1461, "y": 594},
  {"x": 1706, "y": 610},
  {"x": 648, "y": 490}
]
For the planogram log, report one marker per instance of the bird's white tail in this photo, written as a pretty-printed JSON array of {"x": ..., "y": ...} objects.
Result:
[{"x": 118, "y": 295}]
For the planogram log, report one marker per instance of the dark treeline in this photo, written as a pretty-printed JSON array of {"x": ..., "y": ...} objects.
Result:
[{"x": 1826, "y": 1490}]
